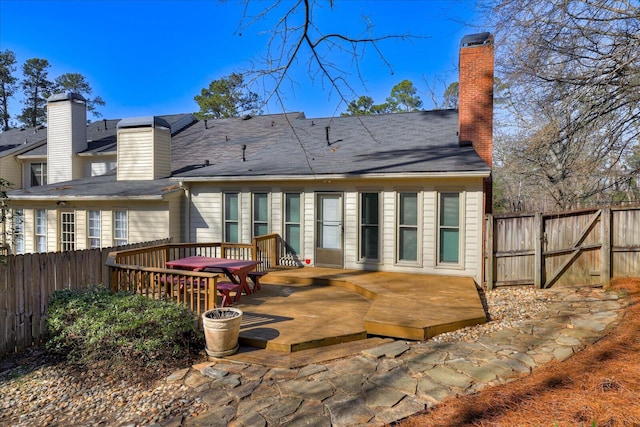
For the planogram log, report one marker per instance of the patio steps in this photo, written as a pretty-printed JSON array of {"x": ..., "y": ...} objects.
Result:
[
  {"x": 407, "y": 306},
  {"x": 297, "y": 310},
  {"x": 278, "y": 359}
]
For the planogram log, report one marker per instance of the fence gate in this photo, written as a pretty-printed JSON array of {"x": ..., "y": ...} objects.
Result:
[
  {"x": 571, "y": 249},
  {"x": 579, "y": 247}
]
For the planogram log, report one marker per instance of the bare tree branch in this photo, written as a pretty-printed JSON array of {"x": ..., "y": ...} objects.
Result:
[
  {"x": 296, "y": 38},
  {"x": 573, "y": 70}
]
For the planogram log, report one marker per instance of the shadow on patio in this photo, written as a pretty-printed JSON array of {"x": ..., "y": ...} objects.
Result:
[
  {"x": 304, "y": 315},
  {"x": 310, "y": 315}
]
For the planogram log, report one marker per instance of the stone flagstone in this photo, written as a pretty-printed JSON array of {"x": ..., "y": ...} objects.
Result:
[{"x": 393, "y": 381}]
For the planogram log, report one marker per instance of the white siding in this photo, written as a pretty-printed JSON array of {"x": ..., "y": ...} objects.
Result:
[
  {"x": 309, "y": 215},
  {"x": 206, "y": 220},
  {"x": 277, "y": 212},
  {"x": 350, "y": 226},
  {"x": 161, "y": 153},
  {"x": 66, "y": 136},
  {"x": 29, "y": 230},
  {"x": 135, "y": 154},
  {"x": 388, "y": 227},
  {"x": 244, "y": 198},
  {"x": 52, "y": 237},
  {"x": 11, "y": 171},
  {"x": 144, "y": 153},
  {"x": 147, "y": 222},
  {"x": 106, "y": 225},
  {"x": 175, "y": 219},
  {"x": 205, "y": 214},
  {"x": 429, "y": 228},
  {"x": 473, "y": 233},
  {"x": 81, "y": 229}
]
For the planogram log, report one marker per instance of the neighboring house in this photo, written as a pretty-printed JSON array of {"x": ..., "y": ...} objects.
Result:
[{"x": 396, "y": 192}]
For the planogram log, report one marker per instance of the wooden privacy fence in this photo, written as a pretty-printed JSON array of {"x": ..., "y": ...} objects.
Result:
[
  {"x": 27, "y": 282},
  {"x": 589, "y": 246}
]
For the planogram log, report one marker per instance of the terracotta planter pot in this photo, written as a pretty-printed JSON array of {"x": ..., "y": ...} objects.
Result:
[{"x": 221, "y": 330}]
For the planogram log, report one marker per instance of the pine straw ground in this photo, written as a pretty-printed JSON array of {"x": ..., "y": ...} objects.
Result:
[{"x": 599, "y": 386}]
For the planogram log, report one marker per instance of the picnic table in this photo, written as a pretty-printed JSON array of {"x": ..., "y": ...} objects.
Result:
[{"x": 237, "y": 270}]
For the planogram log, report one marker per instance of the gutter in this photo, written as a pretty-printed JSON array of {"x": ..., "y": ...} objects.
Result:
[
  {"x": 99, "y": 154},
  {"x": 22, "y": 157},
  {"x": 84, "y": 198},
  {"x": 395, "y": 175},
  {"x": 93, "y": 197}
]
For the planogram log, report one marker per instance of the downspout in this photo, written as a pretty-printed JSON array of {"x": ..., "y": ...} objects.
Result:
[{"x": 186, "y": 233}]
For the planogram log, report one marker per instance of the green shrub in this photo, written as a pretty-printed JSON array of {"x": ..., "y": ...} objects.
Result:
[{"x": 97, "y": 326}]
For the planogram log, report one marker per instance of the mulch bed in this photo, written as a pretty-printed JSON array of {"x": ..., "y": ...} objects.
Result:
[{"x": 599, "y": 386}]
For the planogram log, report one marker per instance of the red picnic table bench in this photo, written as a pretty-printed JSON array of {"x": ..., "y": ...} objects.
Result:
[{"x": 235, "y": 269}]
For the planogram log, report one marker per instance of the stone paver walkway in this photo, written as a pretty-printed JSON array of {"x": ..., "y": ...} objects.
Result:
[{"x": 393, "y": 381}]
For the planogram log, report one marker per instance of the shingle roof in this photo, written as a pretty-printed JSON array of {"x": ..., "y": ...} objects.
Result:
[
  {"x": 99, "y": 188},
  {"x": 357, "y": 145},
  {"x": 102, "y": 134},
  {"x": 287, "y": 145},
  {"x": 14, "y": 140}
]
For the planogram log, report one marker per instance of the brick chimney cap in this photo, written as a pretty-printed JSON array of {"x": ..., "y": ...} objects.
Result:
[{"x": 478, "y": 39}]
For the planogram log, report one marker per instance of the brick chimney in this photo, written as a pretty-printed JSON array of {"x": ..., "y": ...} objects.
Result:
[
  {"x": 475, "y": 103},
  {"x": 475, "y": 111}
]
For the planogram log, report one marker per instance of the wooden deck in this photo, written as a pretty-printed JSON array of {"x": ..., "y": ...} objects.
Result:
[{"x": 299, "y": 313}]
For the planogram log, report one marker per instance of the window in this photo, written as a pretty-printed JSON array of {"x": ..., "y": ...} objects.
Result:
[
  {"x": 67, "y": 231},
  {"x": 449, "y": 228},
  {"x": 94, "y": 231},
  {"x": 18, "y": 231},
  {"x": 38, "y": 174},
  {"x": 292, "y": 222},
  {"x": 120, "y": 228},
  {"x": 369, "y": 226},
  {"x": 231, "y": 223},
  {"x": 407, "y": 249},
  {"x": 41, "y": 230},
  {"x": 260, "y": 214},
  {"x": 102, "y": 168}
]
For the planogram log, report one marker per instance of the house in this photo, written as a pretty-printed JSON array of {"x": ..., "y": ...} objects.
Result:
[{"x": 396, "y": 192}]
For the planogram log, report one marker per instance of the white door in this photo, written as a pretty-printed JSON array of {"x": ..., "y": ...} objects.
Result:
[{"x": 329, "y": 230}]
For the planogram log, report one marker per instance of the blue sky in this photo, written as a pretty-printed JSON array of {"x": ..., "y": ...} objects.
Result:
[{"x": 147, "y": 57}]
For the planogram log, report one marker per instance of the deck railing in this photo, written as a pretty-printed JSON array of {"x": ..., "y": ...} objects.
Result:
[{"x": 144, "y": 271}]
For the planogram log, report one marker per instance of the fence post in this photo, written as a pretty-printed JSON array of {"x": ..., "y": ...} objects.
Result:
[
  {"x": 605, "y": 250},
  {"x": 273, "y": 251},
  {"x": 254, "y": 249},
  {"x": 489, "y": 258},
  {"x": 538, "y": 263}
]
